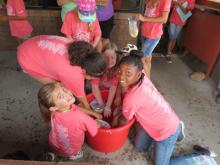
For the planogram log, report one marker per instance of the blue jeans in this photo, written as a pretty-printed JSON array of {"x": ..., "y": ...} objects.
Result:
[
  {"x": 148, "y": 45},
  {"x": 174, "y": 31},
  {"x": 194, "y": 158},
  {"x": 163, "y": 149}
]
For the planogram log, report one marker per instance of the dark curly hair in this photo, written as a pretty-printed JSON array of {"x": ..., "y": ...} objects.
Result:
[{"x": 84, "y": 55}]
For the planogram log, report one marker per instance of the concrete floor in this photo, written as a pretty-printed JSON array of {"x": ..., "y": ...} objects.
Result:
[{"x": 21, "y": 127}]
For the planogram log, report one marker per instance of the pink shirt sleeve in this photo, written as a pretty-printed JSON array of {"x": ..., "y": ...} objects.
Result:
[
  {"x": 75, "y": 82},
  {"x": 90, "y": 125},
  {"x": 68, "y": 23},
  {"x": 128, "y": 109},
  {"x": 19, "y": 8},
  {"x": 165, "y": 5}
]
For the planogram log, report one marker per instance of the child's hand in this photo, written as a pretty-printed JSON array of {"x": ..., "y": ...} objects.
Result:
[
  {"x": 114, "y": 122},
  {"x": 98, "y": 115},
  {"x": 107, "y": 111},
  {"x": 117, "y": 101},
  {"x": 98, "y": 124},
  {"x": 175, "y": 2},
  {"x": 139, "y": 17}
]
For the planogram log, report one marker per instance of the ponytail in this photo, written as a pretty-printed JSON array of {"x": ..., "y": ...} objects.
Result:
[{"x": 45, "y": 100}]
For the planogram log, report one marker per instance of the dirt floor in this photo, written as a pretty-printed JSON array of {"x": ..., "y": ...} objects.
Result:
[{"x": 21, "y": 127}]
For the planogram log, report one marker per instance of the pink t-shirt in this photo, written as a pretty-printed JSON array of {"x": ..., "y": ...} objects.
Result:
[
  {"x": 175, "y": 18},
  {"x": 46, "y": 56},
  {"x": 151, "y": 110},
  {"x": 18, "y": 28},
  {"x": 104, "y": 83},
  {"x": 68, "y": 131},
  {"x": 153, "y": 30},
  {"x": 79, "y": 30}
]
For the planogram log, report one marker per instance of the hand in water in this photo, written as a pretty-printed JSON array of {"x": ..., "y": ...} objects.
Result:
[
  {"x": 98, "y": 115},
  {"x": 117, "y": 101},
  {"x": 107, "y": 111}
]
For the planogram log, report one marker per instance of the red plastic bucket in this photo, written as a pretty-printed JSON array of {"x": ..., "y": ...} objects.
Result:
[{"x": 108, "y": 140}]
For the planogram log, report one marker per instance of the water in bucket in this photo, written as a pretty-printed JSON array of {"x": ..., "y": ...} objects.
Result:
[{"x": 133, "y": 28}]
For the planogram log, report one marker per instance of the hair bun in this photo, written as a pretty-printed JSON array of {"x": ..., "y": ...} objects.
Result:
[{"x": 137, "y": 53}]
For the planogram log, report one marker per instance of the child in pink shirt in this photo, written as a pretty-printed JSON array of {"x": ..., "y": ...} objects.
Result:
[
  {"x": 108, "y": 81},
  {"x": 156, "y": 14},
  {"x": 52, "y": 58},
  {"x": 68, "y": 123},
  {"x": 158, "y": 122},
  {"x": 176, "y": 23},
  {"x": 82, "y": 24},
  {"x": 17, "y": 16}
]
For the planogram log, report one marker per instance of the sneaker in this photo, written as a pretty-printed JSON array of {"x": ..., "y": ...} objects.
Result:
[
  {"x": 182, "y": 133},
  {"x": 206, "y": 150},
  {"x": 76, "y": 156},
  {"x": 169, "y": 59}
]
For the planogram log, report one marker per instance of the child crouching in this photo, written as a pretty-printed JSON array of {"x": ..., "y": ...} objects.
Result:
[{"x": 68, "y": 123}]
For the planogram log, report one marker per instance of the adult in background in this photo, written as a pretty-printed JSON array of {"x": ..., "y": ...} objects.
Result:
[
  {"x": 49, "y": 58},
  {"x": 105, "y": 15}
]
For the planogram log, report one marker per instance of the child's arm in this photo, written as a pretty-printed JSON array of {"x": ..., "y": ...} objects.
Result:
[
  {"x": 97, "y": 33},
  {"x": 122, "y": 121},
  {"x": 91, "y": 113},
  {"x": 117, "y": 101},
  {"x": 96, "y": 41},
  {"x": 97, "y": 93},
  {"x": 119, "y": 120},
  {"x": 86, "y": 108},
  {"x": 69, "y": 37},
  {"x": 161, "y": 19},
  {"x": 111, "y": 95}
]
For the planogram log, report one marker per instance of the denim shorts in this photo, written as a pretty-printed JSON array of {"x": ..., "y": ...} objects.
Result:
[
  {"x": 174, "y": 31},
  {"x": 148, "y": 45}
]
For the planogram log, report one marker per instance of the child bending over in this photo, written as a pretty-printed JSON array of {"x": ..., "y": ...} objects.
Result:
[{"x": 68, "y": 123}]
